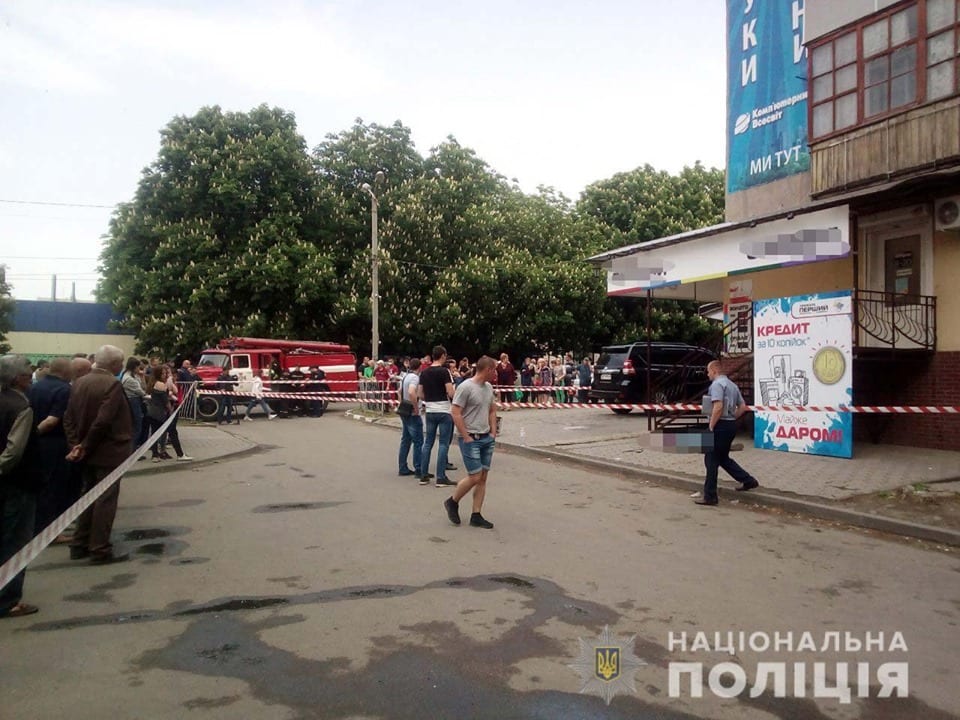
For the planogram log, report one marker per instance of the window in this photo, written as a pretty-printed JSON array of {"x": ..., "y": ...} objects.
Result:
[
  {"x": 906, "y": 56},
  {"x": 834, "y": 95},
  {"x": 943, "y": 48}
]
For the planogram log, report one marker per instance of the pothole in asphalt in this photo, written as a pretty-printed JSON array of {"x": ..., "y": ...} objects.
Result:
[
  {"x": 286, "y": 507},
  {"x": 514, "y": 581},
  {"x": 241, "y": 604},
  {"x": 151, "y": 549},
  {"x": 145, "y": 534}
]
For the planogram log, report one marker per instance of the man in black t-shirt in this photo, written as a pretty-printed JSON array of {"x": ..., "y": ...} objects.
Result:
[{"x": 436, "y": 391}]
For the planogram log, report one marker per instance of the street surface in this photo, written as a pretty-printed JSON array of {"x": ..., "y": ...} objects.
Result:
[{"x": 307, "y": 580}]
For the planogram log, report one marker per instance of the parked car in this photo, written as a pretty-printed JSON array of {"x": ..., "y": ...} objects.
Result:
[{"x": 678, "y": 373}]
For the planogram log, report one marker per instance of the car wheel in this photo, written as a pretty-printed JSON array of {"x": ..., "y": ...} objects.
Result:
[{"x": 622, "y": 411}]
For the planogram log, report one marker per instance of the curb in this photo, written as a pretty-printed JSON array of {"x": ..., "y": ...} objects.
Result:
[
  {"x": 880, "y": 523},
  {"x": 764, "y": 498},
  {"x": 145, "y": 467}
]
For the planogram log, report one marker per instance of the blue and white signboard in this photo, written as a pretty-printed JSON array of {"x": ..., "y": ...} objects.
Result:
[
  {"x": 803, "y": 355},
  {"x": 766, "y": 92}
]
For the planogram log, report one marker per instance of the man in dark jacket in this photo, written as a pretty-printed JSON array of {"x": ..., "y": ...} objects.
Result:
[
  {"x": 17, "y": 480},
  {"x": 226, "y": 383},
  {"x": 48, "y": 399},
  {"x": 99, "y": 431}
]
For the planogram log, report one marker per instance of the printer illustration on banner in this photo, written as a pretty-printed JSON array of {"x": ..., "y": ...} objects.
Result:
[{"x": 784, "y": 387}]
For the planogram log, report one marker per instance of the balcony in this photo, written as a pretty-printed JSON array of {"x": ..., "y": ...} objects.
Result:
[
  {"x": 922, "y": 139},
  {"x": 889, "y": 321},
  {"x": 881, "y": 320}
]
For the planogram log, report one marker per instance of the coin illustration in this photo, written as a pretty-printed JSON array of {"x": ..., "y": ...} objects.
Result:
[{"x": 829, "y": 365}]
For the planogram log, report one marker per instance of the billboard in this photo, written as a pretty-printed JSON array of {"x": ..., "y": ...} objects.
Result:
[
  {"x": 766, "y": 92},
  {"x": 803, "y": 355}
]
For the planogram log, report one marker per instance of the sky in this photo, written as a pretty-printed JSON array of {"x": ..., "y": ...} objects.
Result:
[{"x": 550, "y": 92}]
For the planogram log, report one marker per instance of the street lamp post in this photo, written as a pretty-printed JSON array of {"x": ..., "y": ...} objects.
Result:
[{"x": 374, "y": 268}]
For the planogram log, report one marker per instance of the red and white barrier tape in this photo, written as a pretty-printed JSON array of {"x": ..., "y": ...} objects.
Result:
[
  {"x": 25, "y": 555},
  {"x": 309, "y": 381},
  {"x": 550, "y": 405}
]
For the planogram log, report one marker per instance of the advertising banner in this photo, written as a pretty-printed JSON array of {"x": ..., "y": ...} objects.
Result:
[
  {"x": 803, "y": 355},
  {"x": 738, "y": 318},
  {"x": 766, "y": 92}
]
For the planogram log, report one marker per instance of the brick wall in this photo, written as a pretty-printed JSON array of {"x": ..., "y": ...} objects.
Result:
[{"x": 920, "y": 381}]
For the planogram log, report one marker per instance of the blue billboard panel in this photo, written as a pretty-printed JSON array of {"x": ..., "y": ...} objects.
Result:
[{"x": 766, "y": 92}]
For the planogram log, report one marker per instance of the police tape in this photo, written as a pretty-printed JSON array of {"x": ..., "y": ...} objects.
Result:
[
  {"x": 380, "y": 383},
  {"x": 25, "y": 555},
  {"x": 365, "y": 397}
]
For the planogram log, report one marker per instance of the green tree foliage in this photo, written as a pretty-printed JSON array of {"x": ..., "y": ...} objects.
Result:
[
  {"x": 645, "y": 204},
  {"x": 7, "y": 306},
  {"x": 236, "y": 229},
  {"x": 221, "y": 237}
]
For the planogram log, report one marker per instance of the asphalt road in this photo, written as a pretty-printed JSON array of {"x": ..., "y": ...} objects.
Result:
[{"x": 309, "y": 581}]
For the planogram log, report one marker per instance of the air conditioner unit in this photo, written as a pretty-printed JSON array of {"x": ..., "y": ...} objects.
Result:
[{"x": 946, "y": 212}]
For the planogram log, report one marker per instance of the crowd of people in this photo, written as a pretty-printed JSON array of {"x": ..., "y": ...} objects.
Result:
[
  {"x": 65, "y": 425},
  {"x": 564, "y": 379}
]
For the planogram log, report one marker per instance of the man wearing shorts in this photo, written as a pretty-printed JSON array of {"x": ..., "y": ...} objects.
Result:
[{"x": 475, "y": 417}]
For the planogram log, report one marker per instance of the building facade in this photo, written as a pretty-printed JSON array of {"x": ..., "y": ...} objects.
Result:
[
  {"x": 843, "y": 174},
  {"x": 43, "y": 329}
]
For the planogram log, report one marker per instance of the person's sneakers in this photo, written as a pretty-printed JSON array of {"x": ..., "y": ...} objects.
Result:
[
  {"x": 184, "y": 457},
  {"x": 453, "y": 510},
  {"x": 166, "y": 456},
  {"x": 445, "y": 482},
  {"x": 405, "y": 473},
  {"x": 748, "y": 485},
  {"x": 108, "y": 558},
  {"x": 79, "y": 553},
  {"x": 704, "y": 501},
  {"x": 271, "y": 416},
  {"x": 156, "y": 458},
  {"x": 478, "y": 520},
  {"x": 247, "y": 418},
  {"x": 451, "y": 466}
]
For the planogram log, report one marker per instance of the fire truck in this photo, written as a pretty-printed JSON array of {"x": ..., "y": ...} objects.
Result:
[{"x": 272, "y": 359}]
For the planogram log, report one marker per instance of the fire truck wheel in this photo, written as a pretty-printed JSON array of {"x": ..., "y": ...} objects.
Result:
[{"x": 207, "y": 407}]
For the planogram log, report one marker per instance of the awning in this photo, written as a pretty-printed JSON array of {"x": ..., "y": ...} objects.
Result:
[{"x": 693, "y": 264}]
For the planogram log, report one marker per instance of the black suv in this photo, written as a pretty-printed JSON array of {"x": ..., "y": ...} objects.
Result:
[{"x": 678, "y": 373}]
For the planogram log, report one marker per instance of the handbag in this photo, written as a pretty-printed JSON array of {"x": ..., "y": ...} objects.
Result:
[{"x": 405, "y": 408}]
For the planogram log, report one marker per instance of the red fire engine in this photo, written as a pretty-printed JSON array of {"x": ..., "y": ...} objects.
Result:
[{"x": 270, "y": 359}]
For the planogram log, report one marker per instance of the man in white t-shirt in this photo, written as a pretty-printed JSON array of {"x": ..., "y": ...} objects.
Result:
[{"x": 412, "y": 431}]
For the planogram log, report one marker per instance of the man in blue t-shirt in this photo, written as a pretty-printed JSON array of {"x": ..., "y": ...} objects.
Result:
[{"x": 727, "y": 406}]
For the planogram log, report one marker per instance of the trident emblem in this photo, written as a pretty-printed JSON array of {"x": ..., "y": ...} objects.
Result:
[{"x": 608, "y": 663}]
